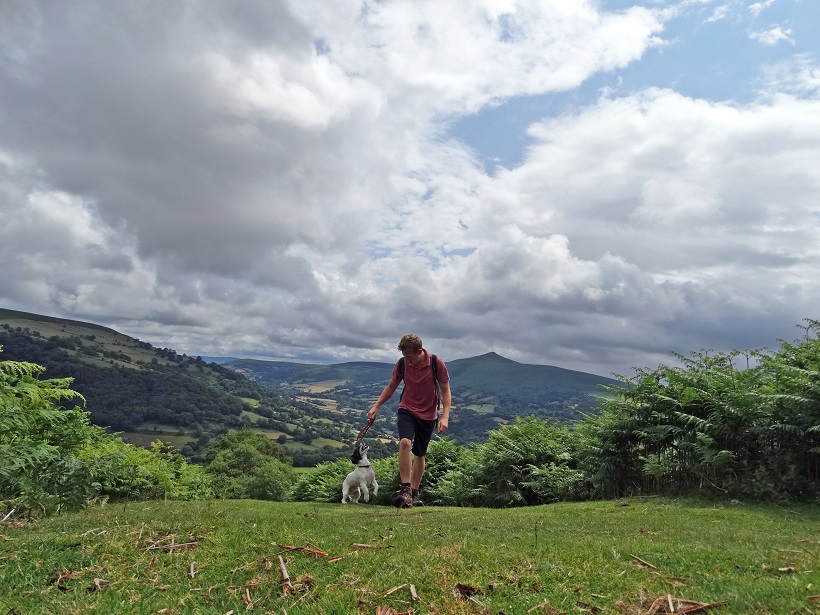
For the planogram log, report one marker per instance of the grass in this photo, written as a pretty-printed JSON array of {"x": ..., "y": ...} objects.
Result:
[
  {"x": 217, "y": 557},
  {"x": 481, "y": 408},
  {"x": 146, "y": 439},
  {"x": 320, "y": 387},
  {"x": 320, "y": 442}
]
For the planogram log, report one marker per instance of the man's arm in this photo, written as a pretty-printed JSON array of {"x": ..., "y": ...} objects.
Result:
[
  {"x": 444, "y": 419},
  {"x": 387, "y": 393}
]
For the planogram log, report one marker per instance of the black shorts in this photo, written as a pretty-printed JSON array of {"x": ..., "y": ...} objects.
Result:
[{"x": 417, "y": 430}]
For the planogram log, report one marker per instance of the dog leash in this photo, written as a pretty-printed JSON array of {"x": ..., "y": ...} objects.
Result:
[{"x": 360, "y": 437}]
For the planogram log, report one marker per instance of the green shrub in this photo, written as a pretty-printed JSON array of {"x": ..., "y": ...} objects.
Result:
[
  {"x": 512, "y": 468},
  {"x": 122, "y": 471},
  {"x": 246, "y": 464},
  {"x": 52, "y": 459}
]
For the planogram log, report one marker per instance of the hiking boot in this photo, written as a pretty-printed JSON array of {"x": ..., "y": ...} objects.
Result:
[
  {"x": 404, "y": 499},
  {"x": 416, "y": 500}
]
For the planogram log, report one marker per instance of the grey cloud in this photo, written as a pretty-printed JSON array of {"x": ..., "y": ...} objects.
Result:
[
  {"x": 198, "y": 176},
  {"x": 121, "y": 105}
]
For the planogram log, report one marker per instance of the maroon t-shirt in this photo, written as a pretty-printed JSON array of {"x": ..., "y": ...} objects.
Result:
[{"x": 420, "y": 395}]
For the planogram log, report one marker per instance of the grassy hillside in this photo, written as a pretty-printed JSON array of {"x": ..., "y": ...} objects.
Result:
[
  {"x": 501, "y": 377},
  {"x": 114, "y": 346},
  {"x": 147, "y": 393},
  {"x": 626, "y": 557}
]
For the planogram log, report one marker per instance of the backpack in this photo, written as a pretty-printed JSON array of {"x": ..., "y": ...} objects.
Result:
[{"x": 433, "y": 368}]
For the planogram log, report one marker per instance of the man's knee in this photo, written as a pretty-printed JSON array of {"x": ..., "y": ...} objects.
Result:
[{"x": 405, "y": 444}]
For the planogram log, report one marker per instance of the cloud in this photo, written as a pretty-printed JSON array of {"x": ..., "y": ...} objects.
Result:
[
  {"x": 722, "y": 12},
  {"x": 757, "y": 8},
  {"x": 275, "y": 179},
  {"x": 798, "y": 75},
  {"x": 772, "y": 36}
]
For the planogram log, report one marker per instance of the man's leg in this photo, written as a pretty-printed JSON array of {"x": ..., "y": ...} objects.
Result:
[
  {"x": 404, "y": 499},
  {"x": 407, "y": 430},
  {"x": 417, "y": 473},
  {"x": 406, "y": 464}
]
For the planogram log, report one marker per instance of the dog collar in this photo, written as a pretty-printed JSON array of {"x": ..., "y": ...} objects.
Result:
[{"x": 367, "y": 466}]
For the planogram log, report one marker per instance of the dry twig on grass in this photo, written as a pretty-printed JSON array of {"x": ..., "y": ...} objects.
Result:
[
  {"x": 305, "y": 549},
  {"x": 286, "y": 584},
  {"x": 548, "y": 608},
  {"x": 670, "y": 604},
  {"x": 392, "y": 591},
  {"x": 97, "y": 585},
  {"x": 642, "y": 562}
]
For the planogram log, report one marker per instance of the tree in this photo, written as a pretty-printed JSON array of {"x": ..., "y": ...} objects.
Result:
[{"x": 246, "y": 464}]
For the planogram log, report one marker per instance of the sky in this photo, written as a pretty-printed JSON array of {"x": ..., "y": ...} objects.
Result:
[{"x": 597, "y": 185}]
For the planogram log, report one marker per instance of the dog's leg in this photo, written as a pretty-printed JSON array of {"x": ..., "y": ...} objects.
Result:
[
  {"x": 365, "y": 492},
  {"x": 345, "y": 491},
  {"x": 375, "y": 487}
]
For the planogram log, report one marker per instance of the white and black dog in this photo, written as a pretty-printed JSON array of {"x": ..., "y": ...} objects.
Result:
[{"x": 357, "y": 481}]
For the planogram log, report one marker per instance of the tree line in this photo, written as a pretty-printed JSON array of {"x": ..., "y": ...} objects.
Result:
[{"x": 741, "y": 424}]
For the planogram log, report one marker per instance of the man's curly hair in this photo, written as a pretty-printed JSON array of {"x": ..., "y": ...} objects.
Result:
[{"x": 410, "y": 342}]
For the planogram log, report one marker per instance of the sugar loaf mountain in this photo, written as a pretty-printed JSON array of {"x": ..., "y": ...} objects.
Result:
[{"x": 146, "y": 393}]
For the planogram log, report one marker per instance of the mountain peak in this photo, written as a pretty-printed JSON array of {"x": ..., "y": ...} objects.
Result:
[{"x": 494, "y": 356}]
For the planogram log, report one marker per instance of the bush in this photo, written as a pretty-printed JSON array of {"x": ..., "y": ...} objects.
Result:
[
  {"x": 53, "y": 459},
  {"x": 122, "y": 471},
  {"x": 246, "y": 464},
  {"x": 513, "y": 467}
]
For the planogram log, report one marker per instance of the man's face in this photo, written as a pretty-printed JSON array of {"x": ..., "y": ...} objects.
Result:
[{"x": 412, "y": 356}]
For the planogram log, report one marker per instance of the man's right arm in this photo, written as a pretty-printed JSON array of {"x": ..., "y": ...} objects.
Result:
[{"x": 387, "y": 393}]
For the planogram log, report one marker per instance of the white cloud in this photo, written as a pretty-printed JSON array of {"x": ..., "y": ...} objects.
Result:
[
  {"x": 273, "y": 179},
  {"x": 799, "y": 75},
  {"x": 722, "y": 12},
  {"x": 772, "y": 36},
  {"x": 758, "y": 7}
]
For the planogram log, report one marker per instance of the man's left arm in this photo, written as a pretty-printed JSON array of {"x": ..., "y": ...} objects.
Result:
[{"x": 444, "y": 419}]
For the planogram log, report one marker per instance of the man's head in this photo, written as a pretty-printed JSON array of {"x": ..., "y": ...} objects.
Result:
[{"x": 410, "y": 344}]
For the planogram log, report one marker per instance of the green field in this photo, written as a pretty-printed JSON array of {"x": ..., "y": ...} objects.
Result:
[
  {"x": 627, "y": 556},
  {"x": 320, "y": 442},
  {"x": 251, "y": 416},
  {"x": 147, "y": 434},
  {"x": 481, "y": 408}
]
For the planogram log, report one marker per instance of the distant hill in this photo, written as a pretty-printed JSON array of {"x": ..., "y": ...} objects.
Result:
[
  {"x": 487, "y": 390},
  {"x": 498, "y": 376},
  {"x": 150, "y": 393},
  {"x": 488, "y": 374}
]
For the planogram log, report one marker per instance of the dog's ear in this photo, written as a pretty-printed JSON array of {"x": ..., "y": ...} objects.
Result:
[{"x": 356, "y": 457}]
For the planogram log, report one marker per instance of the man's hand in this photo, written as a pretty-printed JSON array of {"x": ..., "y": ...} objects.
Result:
[
  {"x": 442, "y": 425},
  {"x": 371, "y": 414}
]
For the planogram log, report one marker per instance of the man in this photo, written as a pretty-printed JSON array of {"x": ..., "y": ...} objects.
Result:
[{"x": 418, "y": 413}]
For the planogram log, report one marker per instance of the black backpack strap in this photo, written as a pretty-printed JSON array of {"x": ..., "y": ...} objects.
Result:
[
  {"x": 434, "y": 368},
  {"x": 401, "y": 376}
]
